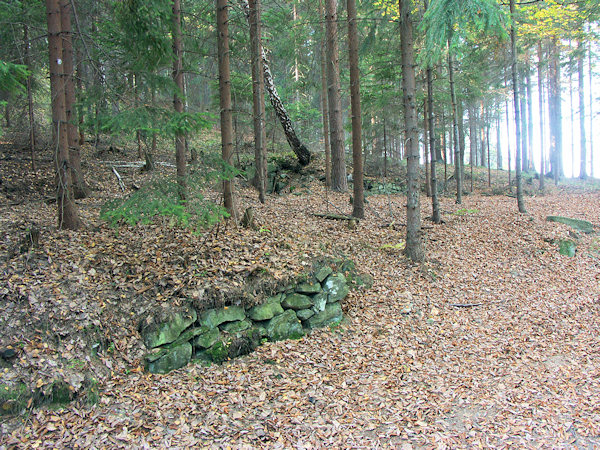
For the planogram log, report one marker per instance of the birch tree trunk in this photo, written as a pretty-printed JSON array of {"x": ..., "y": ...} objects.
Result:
[{"x": 300, "y": 150}]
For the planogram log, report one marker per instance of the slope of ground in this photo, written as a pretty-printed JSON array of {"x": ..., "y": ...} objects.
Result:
[{"x": 492, "y": 342}]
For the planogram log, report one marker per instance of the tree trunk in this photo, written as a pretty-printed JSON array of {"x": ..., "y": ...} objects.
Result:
[
  {"x": 258, "y": 95},
  {"x": 540, "y": 77},
  {"x": 591, "y": 77},
  {"x": 225, "y": 99},
  {"x": 27, "y": 62},
  {"x": 482, "y": 139},
  {"x": 302, "y": 153},
  {"x": 324, "y": 106},
  {"x": 385, "y": 152},
  {"x": 529, "y": 115},
  {"x": 178, "y": 99},
  {"x": 581, "y": 91},
  {"x": 508, "y": 135},
  {"x": 414, "y": 246},
  {"x": 80, "y": 190},
  {"x": 338, "y": 164},
  {"x": 68, "y": 216},
  {"x": 554, "y": 101},
  {"x": 523, "y": 112},
  {"x": 358, "y": 209},
  {"x": 426, "y": 148},
  {"x": 498, "y": 143},
  {"x": 487, "y": 143},
  {"x": 432, "y": 147},
  {"x": 457, "y": 161},
  {"x": 513, "y": 57}
]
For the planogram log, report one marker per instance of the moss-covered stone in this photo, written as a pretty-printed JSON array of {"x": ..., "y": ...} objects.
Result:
[
  {"x": 305, "y": 314},
  {"x": 169, "y": 358},
  {"x": 322, "y": 273},
  {"x": 218, "y": 353},
  {"x": 284, "y": 326},
  {"x": 188, "y": 335},
  {"x": 207, "y": 339},
  {"x": 236, "y": 327},
  {"x": 157, "y": 332},
  {"x": 308, "y": 288},
  {"x": 578, "y": 224},
  {"x": 214, "y": 317},
  {"x": 320, "y": 300},
  {"x": 336, "y": 287},
  {"x": 365, "y": 280},
  {"x": 567, "y": 247},
  {"x": 268, "y": 310},
  {"x": 331, "y": 314},
  {"x": 297, "y": 301}
]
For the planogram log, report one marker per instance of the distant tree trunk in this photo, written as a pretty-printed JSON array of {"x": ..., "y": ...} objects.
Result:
[
  {"x": 178, "y": 99},
  {"x": 472, "y": 142},
  {"x": 482, "y": 134},
  {"x": 529, "y": 115},
  {"x": 591, "y": 77},
  {"x": 571, "y": 110},
  {"x": 80, "y": 77},
  {"x": 489, "y": 163},
  {"x": 68, "y": 216},
  {"x": 258, "y": 92},
  {"x": 414, "y": 246},
  {"x": 338, "y": 164},
  {"x": 358, "y": 209},
  {"x": 508, "y": 135},
  {"x": 498, "y": 143},
  {"x": 80, "y": 190},
  {"x": 461, "y": 139},
  {"x": 581, "y": 91},
  {"x": 426, "y": 148},
  {"x": 299, "y": 149},
  {"x": 385, "y": 152},
  {"x": 324, "y": 106},
  {"x": 513, "y": 57},
  {"x": 523, "y": 111},
  {"x": 455, "y": 143},
  {"x": 554, "y": 101},
  {"x": 27, "y": 62},
  {"x": 540, "y": 76}
]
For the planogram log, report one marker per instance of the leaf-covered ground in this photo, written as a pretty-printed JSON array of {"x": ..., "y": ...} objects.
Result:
[{"x": 494, "y": 341}]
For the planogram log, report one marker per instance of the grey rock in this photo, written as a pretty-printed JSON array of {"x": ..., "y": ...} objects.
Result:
[
  {"x": 320, "y": 300},
  {"x": 269, "y": 309},
  {"x": 336, "y": 287},
  {"x": 308, "y": 288},
  {"x": 236, "y": 327},
  {"x": 214, "y": 317},
  {"x": 284, "y": 326},
  {"x": 323, "y": 273},
  {"x": 331, "y": 314},
  {"x": 169, "y": 359},
  {"x": 305, "y": 314},
  {"x": 207, "y": 339},
  {"x": 164, "y": 330},
  {"x": 297, "y": 301}
]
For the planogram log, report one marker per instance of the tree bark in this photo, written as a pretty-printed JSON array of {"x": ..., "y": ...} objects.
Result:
[
  {"x": 523, "y": 111},
  {"x": 581, "y": 91},
  {"x": 513, "y": 57},
  {"x": 338, "y": 164},
  {"x": 457, "y": 161},
  {"x": 68, "y": 216},
  {"x": 258, "y": 95},
  {"x": 300, "y": 150},
  {"x": 80, "y": 190},
  {"x": 324, "y": 105},
  {"x": 554, "y": 101},
  {"x": 27, "y": 62},
  {"x": 540, "y": 76},
  {"x": 529, "y": 115},
  {"x": 178, "y": 99},
  {"x": 591, "y": 77},
  {"x": 414, "y": 246},
  {"x": 225, "y": 99},
  {"x": 358, "y": 209},
  {"x": 426, "y": 149}
]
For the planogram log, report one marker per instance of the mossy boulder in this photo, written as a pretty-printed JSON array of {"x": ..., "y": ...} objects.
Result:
[
  {"x": 322, "y": 273},
  {"x": 308, "y": 288},
  {"x": 297, "y": 301},
  {"x": 167, "y": 359},
  {"x": 166, "y": 328},
  {"x": 567, "y": 247},
  {"x": 236, "y": 327},
  {"x": 578, "y": 224},
  {"x": 207, "y": 339},
  {"x": 284, "y": 326},
  {"x": 214, "y": 317},
  {"x": 336, "y": 287},
  {"x": 188, "y": 335},
  {"x": 331, "y": 314},
  {"x": 320, "y": 300},
  {"x": 217, "y": 353},
  {"x": 268, "y": 310},
  {"x": 305, "y": 314}
]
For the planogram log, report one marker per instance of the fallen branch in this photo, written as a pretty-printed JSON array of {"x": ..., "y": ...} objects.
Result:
[
  {"x": 121, "y": 184},
  {"x": 334, "y": 216},
  {"x": 466, "y": 305}
]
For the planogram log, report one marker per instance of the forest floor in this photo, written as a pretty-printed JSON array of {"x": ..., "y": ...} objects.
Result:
[{"x": 493, "y": 341}]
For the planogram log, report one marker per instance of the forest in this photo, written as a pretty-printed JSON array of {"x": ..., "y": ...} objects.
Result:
[{"x": 299, "y": 224}]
